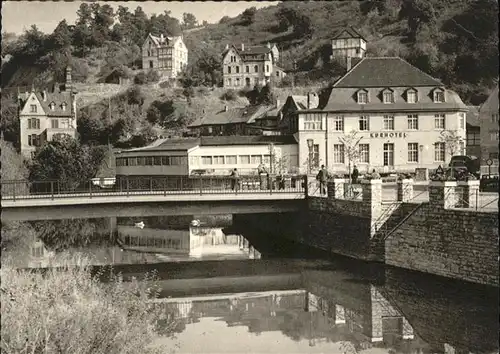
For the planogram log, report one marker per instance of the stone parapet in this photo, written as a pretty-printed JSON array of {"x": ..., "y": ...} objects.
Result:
[
  {"x": 405, "y": 190},
  {"x": 372, "y": 190},
  {"x": 336, "y": 188},
  {"x": 442, "y": 194}
]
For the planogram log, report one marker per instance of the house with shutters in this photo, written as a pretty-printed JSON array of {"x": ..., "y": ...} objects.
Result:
[
  {"x": 46, "y": 113},
  {"x": 247, "y": 66},
  {"x": 166, "y": 55}
]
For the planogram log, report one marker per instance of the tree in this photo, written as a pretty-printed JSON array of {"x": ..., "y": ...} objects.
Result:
[
  {"x": 61, "y": 37},
  {"x": 302, "y": 26},
  {"x": 453, "y": 142},
  {"x": 189, "y": 20},
  {"x": 417, "y": 13},
  {"x": 13, "y": 168},
  {"x": 351, "y": 148},
  {"x": 247, "y": 17},
  {"x": 65, "y": 159},
  {"x": 9, "y": 123},
  {"x": 81, "y": 33},
  {"x": 266, "y": 95}
]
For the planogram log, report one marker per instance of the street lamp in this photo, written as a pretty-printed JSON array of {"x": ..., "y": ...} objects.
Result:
[{"x": 310, "y": 144}]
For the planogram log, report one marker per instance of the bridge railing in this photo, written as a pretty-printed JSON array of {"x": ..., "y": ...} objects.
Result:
[{"x": 156, "y": 185}]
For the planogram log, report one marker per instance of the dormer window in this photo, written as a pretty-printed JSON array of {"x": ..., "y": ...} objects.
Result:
[
  {"x": 388, "y": 96},
  {"x": 63, "y": 106},
  {"x": 411, "y": 96},
  {"x": 438, "y": 95},
  {"x": 362, "y": 96},
  {"x": 52, "y": 106}
]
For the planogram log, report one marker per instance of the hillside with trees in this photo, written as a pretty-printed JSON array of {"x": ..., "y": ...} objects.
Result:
[{"x": 455, "y": 41}]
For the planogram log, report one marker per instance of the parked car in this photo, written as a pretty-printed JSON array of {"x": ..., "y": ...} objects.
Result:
[{"x": 462, "y": 164}]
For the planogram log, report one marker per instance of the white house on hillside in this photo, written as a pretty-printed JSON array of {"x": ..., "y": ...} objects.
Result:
[{"x": 167, "y": 55}]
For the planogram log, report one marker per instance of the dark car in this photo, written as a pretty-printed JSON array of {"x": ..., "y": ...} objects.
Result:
[{"x": 462, "y": 164}]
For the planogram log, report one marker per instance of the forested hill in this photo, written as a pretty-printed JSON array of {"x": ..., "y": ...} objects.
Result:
[{"x": 454, "y": 40}]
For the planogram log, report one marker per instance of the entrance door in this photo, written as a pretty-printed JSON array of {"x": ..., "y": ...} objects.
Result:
[{"x": 389, "y": 155}]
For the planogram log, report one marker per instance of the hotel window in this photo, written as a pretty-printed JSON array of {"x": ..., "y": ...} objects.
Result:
[
  {"x": 267, "y": 68},
  {"x": 462, "y": 120},
  {"x": 338, "y": 123},
  {"x": 132, "y": 161},
  {"x": 267, "y": 160},
  {"x": 245, "y": 159},
  {"x": 389, "y": 154},
  {"x": 157, "y": 160},
  {"x": 473, "y": 139},
  {"x": 149, "y": 160},
  {"x": 54, "y": 123},
  {"x": 411, "y": 96},
  {"x": 141, "y": 161},
  {"x": 313, "y": 121},
  {"x": 229, "y": 83},
  {"x": 364, "y": 153},
  {"x": 237, "y": 81},
  {"x": 206, "y": 160},
  {"x": 33, "y": 140},
  {"x": 256, "y": 68},
  {"x": 439, "y": 121},
  {"x": 231, "y": 160},
  {"x": 439, "y": 152},
  {"x": 388, "y": 97},
  {"x": 165, "y": 160},
  {"x": 247, "y": 69},
  {"x": 363, "y": 97},
  {"x": 364, "y": 123},
  {"x": 218, "y": 160},
  {"x": 388, "y": 122},
  {"x": 412, "y": 152},
  {"x": 33, "y": 108},
  {"x": 338, "y": 153},
  {"x": 494, "y": 135},
  {"x": 256, "y": 159},
  {"x": 413, "y": 121},
  {"x": 237, "y": 70},
  {"x": 229, "y": 70},
  {"x": 33, "y": 123},
  {"x": 178, "y": 160},
  {"x": 494, "y": 117},
  {"x": 438, "y": 96}
]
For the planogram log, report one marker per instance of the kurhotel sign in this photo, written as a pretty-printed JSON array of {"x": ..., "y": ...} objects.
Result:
[{"x": 388, "y": 135}]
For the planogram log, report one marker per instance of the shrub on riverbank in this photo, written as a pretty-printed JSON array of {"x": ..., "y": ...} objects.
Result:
[{"x": 69, "y": 311}]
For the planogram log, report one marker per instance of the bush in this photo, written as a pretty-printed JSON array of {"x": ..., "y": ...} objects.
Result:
[
  {"x": 140, "y": 78},
  {"x": 229, "y": 95},
  {"x": 152, "y": 76},
  {"x": 68, "y": 310}
]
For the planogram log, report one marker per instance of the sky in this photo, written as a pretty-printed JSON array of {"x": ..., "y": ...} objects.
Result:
[{"x": 20, "y": 15}]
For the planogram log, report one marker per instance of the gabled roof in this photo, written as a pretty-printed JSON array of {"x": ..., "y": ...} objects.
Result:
[
  {"x": 386, "y": 72},
  {"x": 472, "y": 117},
  {"x": 158, "y": 42},
  {"x": 346, "y": 33},
  {"x": 232, "y": 116},
  {"x": 299, "y": 101},
  {"x": 59, "y": 98},
  {"x": 250, "y": 50}
]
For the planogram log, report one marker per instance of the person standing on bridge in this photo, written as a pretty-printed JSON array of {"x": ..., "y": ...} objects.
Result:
[
  {"x": 322, "y": 177},
  {"x": 355, "y": 175},
  {"x": 235, "y": 179},
  {"x": 261, "y": 170}
]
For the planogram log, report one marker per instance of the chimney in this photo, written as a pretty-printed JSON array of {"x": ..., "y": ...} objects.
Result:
[
  {"x": 68, "y": 78},
  {"x": 312, "y": 100},
  {"x": 225, "y": 108},
  {"x": 44, "y": 95},
  {"x": 278, "y": 103},
  {"x": 162, "y": 39},
  {"x": 242, "y": 47},
  {"x": 348, "y": 63},
  {"x": 227, "y": 46}
]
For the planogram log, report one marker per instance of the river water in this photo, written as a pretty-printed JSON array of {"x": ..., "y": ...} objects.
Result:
[{"x": 240, "y": 294}]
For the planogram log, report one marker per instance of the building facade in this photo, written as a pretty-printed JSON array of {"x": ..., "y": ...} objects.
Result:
[
  {"x": 250, "y": 66},
  {"x": 44, "y": 114},
  {"x": 473, "y": 140},
  {"x": 167, "y": 55},
  {"x": 216, "y": 156},
  {"x": 403, "y": 117},
  {"x": 488, "y": 121},
  {"x": 348, "y": 43}
]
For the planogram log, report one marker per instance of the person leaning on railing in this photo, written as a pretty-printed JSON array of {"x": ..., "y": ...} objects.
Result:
[{"x": 234, "y": 179}]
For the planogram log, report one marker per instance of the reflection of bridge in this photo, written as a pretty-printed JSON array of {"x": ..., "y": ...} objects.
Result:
[{"x": 23, "y": 200}]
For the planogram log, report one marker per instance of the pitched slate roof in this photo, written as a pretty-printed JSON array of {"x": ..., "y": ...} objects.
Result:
[
  {"x": 385, "y": 72},
  {"x": 250, "y": 50},
  {"x": 167, "y": 40},
  {"x": 300, "y": 101},
  {"x": 472, "y": 117},
  {"x": 232, "y": 116},
  {"x": 348, "y": 32},
  {"x": 58, "y": 98}
]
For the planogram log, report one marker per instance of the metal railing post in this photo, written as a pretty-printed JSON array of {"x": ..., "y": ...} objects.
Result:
[
  {"x": 477, "y": 198},
  {"x": 90, "y": 188},
  {"x": 14, "y": 191},
  {"x": 128, "y": 187},
  {"x": 181, "y": 183},
  {"x": 165, "y": 188},
  {"x": 201, "y": 185},
  {"x": 58, "y": 187},
  {"x": 151, "y": 184},
  {"x": 52, "y": 189}
]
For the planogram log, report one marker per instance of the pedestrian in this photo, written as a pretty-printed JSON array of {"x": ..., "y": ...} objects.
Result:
[
  {"x": 261, "y": 170},
  {"x": 375, "y": 174},
  {"x": 322, "y": 177},
  {"x": 281, "y": 181},
  {"x": 355, "y": 175},
  {"x": 234, "y": 179}
]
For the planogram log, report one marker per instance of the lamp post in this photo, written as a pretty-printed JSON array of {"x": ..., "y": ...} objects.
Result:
[{"x": 310, "y": 144}]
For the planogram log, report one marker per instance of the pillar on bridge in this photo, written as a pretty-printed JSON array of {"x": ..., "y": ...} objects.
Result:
[
  {"x": 335, "y": 188},
  {"x": 469, "y": 193},
  {"x": 372, "y": 195},
  {"x": 442, "y": 194},
  {"x": 405, "y": 190}
]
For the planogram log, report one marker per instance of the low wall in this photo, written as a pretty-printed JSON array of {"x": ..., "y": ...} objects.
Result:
[{"x": 453, "y": 243}]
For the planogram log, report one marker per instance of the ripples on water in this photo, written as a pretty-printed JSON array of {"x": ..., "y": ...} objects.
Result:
[{"x": 229, "y": 294}]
